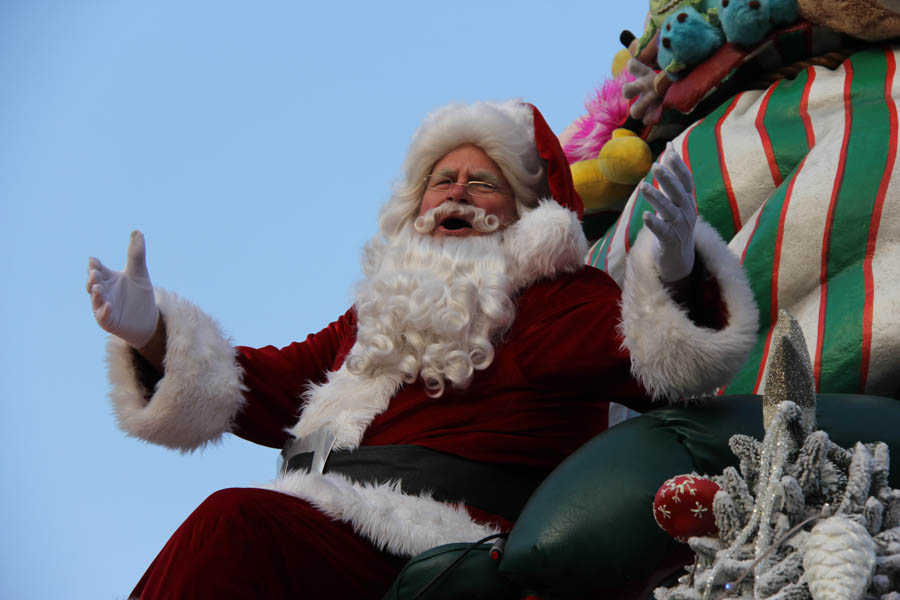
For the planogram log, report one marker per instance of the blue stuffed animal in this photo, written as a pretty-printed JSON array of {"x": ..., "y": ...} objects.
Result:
[
  {"x": 686, "y": 38},
  {"x": 746, "y": 22},
  {"x": 783, "y": 12}
]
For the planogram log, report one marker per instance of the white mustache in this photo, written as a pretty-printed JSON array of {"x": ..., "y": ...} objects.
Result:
[{"x": 481, "y": 221}]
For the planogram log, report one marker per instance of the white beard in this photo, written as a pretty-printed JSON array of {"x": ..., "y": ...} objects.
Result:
[{"x": 432, "y": 307}]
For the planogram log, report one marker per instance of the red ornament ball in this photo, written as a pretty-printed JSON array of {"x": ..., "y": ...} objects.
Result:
[{"x": 683, "y": 507}]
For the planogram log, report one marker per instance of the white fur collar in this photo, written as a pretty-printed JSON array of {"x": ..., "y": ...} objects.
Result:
[
  {"x": 546, "y": 242},
  {"x": 543, "y": 243}
]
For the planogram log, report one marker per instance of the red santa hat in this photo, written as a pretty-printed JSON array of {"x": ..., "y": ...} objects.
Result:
[
  {"x": 516, "y": 137},
  {"x": 559, "y": 175}
]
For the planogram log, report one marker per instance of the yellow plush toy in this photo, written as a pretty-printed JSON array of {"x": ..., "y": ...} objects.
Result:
[
  {"x": 596, "y": 191},
  {"x": 606, "y": 182},
  {"x": 620, "y": 61},
  {"x": 625, "y": 158}
]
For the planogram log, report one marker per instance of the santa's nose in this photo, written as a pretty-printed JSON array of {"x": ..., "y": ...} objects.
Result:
[{"x": 458, "y": 192}]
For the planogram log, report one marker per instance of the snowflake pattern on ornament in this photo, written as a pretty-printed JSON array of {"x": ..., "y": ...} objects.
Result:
[
  {"x": 698, "y": 510},
  {"x": 682, "y": 506}
]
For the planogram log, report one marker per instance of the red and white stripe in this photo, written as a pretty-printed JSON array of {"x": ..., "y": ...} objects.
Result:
[{"x": 883, "y": 264}]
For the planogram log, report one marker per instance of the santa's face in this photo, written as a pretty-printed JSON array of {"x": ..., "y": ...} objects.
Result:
[{"x": 462, "y": 165}]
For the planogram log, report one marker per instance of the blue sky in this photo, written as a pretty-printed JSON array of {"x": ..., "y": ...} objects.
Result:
[{"x": 253, "y": 144}]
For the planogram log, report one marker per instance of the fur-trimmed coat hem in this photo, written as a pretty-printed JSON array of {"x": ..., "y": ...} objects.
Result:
[{"x": 399, "y": 523}]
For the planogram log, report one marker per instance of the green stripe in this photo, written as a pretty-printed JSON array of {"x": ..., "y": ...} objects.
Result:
[
  {"x": 759, "y": 265},
  {"x": 595, "y": 252},
  {"x": 784, "y": 125},
  {"x": 867, "y": 152},
  {"x": 745, "y": 380},
  {"x": 603, "y": 248},
  {"x": 712, "y": 201},
  {"x": 788, "y": 137},
  {"x": 637, "y": 215}
]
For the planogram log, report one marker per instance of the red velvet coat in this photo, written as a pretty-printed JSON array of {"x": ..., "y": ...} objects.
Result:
[{"x": 545, "y": 394}]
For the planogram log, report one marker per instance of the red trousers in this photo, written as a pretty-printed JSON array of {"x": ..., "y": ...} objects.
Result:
[{"x": 251, "y": 543}]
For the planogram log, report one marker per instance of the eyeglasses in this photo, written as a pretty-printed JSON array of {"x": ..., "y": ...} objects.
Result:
[{"x": 442, "y": 183}]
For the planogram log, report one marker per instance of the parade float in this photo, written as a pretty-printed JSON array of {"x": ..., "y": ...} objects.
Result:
[{"x": 786, "y": 113}]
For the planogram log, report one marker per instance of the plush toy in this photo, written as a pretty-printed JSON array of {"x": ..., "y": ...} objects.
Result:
[
  {"x": 684, "y": 33},
  {"x": 687, "y": 37},
  {"x": 605, "y": 183},
  {"x": 607, "y": 161},
  {"x": 866, "y": 19},
  {"x": 597, "y": 192},
  {"x": 607, "y": 110},
  {"x": 625, "y": 158},
  {"x": 619, "y": 62},
  {"x": 783, "y": 12},
  {"x": 660, "y": 11},
  {"x": 746, "y": 22}
]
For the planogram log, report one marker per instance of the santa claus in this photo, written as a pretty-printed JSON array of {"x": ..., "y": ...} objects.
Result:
[{"x": 479, "y": 353}]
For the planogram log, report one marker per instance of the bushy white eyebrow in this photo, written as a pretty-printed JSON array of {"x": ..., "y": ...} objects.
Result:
[
  {"x": 445, "y": 172},
  {"x": 484, "y": 176}
]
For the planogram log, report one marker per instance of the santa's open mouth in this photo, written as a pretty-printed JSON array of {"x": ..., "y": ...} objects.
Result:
[{"x": 455, "y": 223}]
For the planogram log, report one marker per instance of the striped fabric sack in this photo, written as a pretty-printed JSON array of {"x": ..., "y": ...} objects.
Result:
[{"x": 802, "y": 179}]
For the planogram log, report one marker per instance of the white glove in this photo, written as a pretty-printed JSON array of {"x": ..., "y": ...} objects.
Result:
[
  {"x": 123, "y": 301},
  {"x": 642, "y": 87},
  {"x": 675, "y": 218}
]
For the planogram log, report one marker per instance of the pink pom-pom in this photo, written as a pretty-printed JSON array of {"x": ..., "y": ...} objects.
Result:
[
  {"x": 683, "y": 507},
  {"x": 607, "y": 110}
]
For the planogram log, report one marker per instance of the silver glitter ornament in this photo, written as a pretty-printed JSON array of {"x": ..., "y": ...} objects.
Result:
[{"x": 789, "y": 373}]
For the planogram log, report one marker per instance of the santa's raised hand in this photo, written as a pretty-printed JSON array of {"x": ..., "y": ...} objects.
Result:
[
  {"x": 675, "y": 218},
  {"x": 123, "y": 301}
]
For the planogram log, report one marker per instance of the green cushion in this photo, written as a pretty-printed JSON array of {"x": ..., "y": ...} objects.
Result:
[
  {"x": 589, "y": 527},
  {"x": 474, "y": 578}
]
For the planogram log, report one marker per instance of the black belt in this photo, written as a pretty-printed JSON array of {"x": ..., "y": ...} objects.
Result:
[{"x": 497, "y": 489}]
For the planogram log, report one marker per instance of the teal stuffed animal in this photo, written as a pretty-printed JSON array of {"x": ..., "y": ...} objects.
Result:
[
  {"x": 686, "y": 38},
  {"x": 660, "y": 10},
  {"x": 745, "y": 22},
  {"x": 691, "y": 30}
]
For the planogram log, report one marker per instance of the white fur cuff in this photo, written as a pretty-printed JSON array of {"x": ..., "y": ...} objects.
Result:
[
  {"x": 198, "y": 397},
  {"x": 670, "y": 355},
  {"x": 400, "y": 523}
]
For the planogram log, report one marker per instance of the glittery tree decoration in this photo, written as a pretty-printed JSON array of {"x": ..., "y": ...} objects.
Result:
[
  {"x": 789, "y": 375},
  {"x": 803, "y": 518}
]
